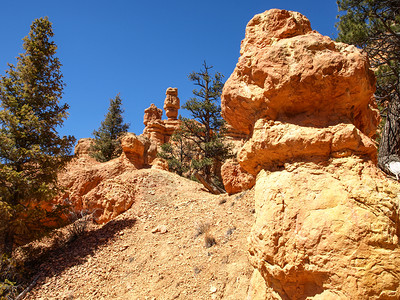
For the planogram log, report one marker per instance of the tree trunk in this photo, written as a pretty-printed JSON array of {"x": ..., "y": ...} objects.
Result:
[{"x": 389, "y": 146}]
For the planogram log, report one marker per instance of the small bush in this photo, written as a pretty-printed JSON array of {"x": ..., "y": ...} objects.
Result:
[
  {"x": 209, "y": 240},
  {"x": 79, "y": 225},
  {"x": 202, "y": 228},
  {"x": 79, "y": 221},
  {"x": 10, "y": 274}
]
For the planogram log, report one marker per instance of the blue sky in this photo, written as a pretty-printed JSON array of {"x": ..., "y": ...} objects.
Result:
[{"x": 140, "y": 48}]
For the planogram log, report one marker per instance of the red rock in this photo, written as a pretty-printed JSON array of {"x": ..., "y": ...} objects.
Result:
[
  {"x": 283, "y": 62},
  {"x": 171, "y": 103},
  {"x": 235, "y": 178},
  {"x": 157, "y": 130}
]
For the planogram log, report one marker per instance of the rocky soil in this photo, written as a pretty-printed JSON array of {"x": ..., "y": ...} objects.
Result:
[{"x": 157, "y": 249}]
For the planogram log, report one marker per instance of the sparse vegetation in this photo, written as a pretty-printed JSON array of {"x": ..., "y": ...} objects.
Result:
[
  {"x": 209, "y": 240},
  {"x": 199, "y": 143},
  {"x": 79, "y": 224},
  {"x": 202, "y": 228},
  {"x": 106, "y": 139}
]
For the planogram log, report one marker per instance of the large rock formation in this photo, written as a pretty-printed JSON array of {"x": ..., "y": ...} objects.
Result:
[
  {"x": 171, "y": 103},
  {"x": 286, "y": 71},
  {"x": 106, "y": 189},
  {"x": 327, "y": 220},
  {"x": 160, "y": 131}
]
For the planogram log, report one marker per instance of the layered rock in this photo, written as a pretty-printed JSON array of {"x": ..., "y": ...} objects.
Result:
[
  {"x": 171, "y": 103},
  {"x": 106, "y": 189},
  {"x": 160, "y": 131},
  {"x": 327, "y": 220}
]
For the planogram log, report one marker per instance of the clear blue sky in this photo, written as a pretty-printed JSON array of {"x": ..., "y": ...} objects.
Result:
[{"x": 140, "y": 48}]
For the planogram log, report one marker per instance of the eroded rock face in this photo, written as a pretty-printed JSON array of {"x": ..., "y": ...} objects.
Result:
[
  {"x": 157, "y": 130},
  {"x": 152, "y": 114},
  {"x": 327, "y": 220},
  {"x": 135, "y": 149},
  {"x": 273, "y": 143},
  {"x": 82, "y": 148},
  {"x": 106, "y": 189},
  {"x": 327, "y": 229},
  {"x": 98, "y": 187},
  {"x": 171, "y": 103},
  {"x": 286, "y": 69}
]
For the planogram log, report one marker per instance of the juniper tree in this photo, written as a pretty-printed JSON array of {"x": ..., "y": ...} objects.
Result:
[
  {"x": 205, "y": 129},
  {"x": 31, "y": 150},
  {"x": 374, "y": 25},
  {"x": 107, "y": 145}
]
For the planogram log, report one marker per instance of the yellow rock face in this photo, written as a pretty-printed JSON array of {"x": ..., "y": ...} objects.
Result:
[{"x": 327, "y": 230}]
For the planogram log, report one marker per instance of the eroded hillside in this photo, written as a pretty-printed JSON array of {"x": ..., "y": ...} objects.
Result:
[{"x": 129, "y": 258}]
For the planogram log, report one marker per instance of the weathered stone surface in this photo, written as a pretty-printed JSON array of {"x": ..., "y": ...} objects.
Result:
[
  {"x": 82, "y": 147},
  {"x": 157, "y": 130},
  {"x": 107, "y": 189},
  {"x": 235, "y": 178},
  {"x": 135, "y": 149},
  {"x": 160, "y": 164},
  {"x": 89, "y": 186},
  {"x": 325, "y": 229},
  {"x": 286, "y": 69},
  {"x": 171, "y": 103},
  {"x": 152, "y": 114},
  {"x": 327, "y": 220},
  {"x": 273, "y": 143}
]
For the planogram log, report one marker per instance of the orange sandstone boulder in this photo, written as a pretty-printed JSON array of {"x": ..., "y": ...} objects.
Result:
[
  {"x": 327, "y": 220},
  {"x": 286, "y": 69},
  {"x": 135, "y": 149},
  {"x": 235, "y": 178}
]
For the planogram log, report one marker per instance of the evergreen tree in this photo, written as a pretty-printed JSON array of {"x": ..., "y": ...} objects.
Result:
[
  {"x": 107, "y": 145},
  {"x": 205, "y": 130},
  {"x": 374, "y": 25},
  {"x": 31, "y": 151},
  {"x": 178, "y": 152}
]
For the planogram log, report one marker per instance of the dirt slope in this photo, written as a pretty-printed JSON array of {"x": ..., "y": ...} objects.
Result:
[{"x": 128, "y": 258}]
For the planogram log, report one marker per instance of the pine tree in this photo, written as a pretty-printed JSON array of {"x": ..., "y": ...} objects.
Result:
[
  {"x": 205, "y": 129},
  {"x": 374, "y": 25},
  {"x": 31, "y": 151},
  {"x": 178, "y": 152},
  {"x": 107, "y": 145}
]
